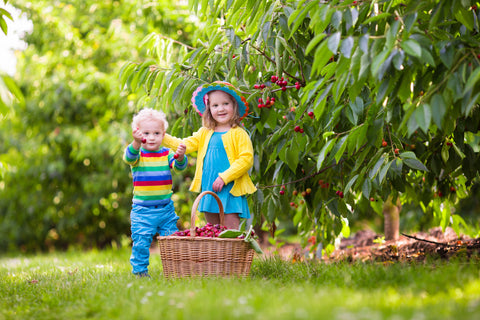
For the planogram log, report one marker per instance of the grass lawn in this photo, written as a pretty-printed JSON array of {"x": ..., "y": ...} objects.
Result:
[{"x": 99, "y": 285}]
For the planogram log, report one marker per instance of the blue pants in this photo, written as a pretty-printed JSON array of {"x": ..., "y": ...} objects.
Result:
[{"x": 145, "y": 223}]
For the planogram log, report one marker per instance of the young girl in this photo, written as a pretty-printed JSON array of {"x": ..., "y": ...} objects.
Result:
[
  {"x": 225, "y": 152},
  {"x": 152, "y": 210}
]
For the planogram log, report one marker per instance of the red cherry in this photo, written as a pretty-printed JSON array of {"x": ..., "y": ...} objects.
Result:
[
  {"x": 310, "y": 114},
  {"x": 397, "y": 151},
  {"x": 284, "y": 89},
  {"x": 282, "y": 192},
  {"x": 297, "y": 129},
  {"x": 176, "y": 155},
  {"x": 144, "y": 140},
  {"x": 384, "y": 143}
]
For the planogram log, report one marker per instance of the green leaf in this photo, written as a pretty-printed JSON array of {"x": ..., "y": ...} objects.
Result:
[
  {"x": 13, "y": 88},
  {"x": 333, "y": 42},
  {"x": 408, "y": 155},
  {"x": 423, "y": 116},
  {"x": 292, "y": 155},
  {"x": 313, "y": 43},
  {"x": 366, "y": 188},
  {"x": 438, "y": 104},
  {"x": 341, "y": 149},
  {"x": 377, "y": 206},
  {"x": 383, "y": 172},
  {"x": 464, "y": 16},
  {"x": 298, "y": 16},
  {"x": 427, "y": 57},
  {"x": 415, "y": 164},
  {"x": 412, "y": 47},
  {"x": 373, "y": 172},
  {"x": 230, "y": 233},
  {"x": 445, "y": 152},
  {"x": 322, "y": 56},
  {"x": 467, "y": 107},
  {"x": 3, "y": 26},
  {"x": 472, "y": 80},
  {"x": 350, "y": 183},
  {"x": 378, "y": 62},
  {"x": 323, "y": 153},
  {"x": 379, "y": 17},
  {"x": 412, "y": 125},
  {"x": 458, "y": 151},
  {"x": 255, "y": 246},
  {"x": 411, "y": 160},
  {"x": 398, "y": 59},
  {"x": 346, "y": 47}
]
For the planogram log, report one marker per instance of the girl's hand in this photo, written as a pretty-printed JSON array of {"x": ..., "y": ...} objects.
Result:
[
  {"x": 179, "y": 155},
  {"x": 218, "y": 184}
]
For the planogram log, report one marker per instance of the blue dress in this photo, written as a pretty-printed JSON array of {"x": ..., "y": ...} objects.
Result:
[{"x": 216, "y": 161}]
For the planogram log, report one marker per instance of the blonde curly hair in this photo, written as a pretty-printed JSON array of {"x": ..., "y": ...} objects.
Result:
[{"x": 149, "y": 114}]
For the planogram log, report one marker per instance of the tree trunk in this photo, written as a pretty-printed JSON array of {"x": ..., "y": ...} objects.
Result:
[{"x": 391, "y": 214}]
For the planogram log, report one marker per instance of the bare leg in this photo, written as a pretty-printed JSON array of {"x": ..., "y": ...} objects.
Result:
[{"x": 232, "y": 220}]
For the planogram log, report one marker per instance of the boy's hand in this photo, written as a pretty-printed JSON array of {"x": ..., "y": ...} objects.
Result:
[
  {"x": 137, "y": 138},
  {"x": 180, "y": 154}
]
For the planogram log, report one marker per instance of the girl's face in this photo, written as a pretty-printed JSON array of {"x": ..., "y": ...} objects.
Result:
[
  {"x": 153, "y": 132},
  {"x": 222, "y": 108}
]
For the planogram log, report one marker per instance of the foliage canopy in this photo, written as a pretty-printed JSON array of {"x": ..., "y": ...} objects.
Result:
[{"x": 381, "y": 99}]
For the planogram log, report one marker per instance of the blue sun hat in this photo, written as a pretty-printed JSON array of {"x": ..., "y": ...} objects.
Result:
[{"x": 200, "y": 98}]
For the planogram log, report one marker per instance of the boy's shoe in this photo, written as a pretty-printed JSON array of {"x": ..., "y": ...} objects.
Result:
[{"x": 143, "y": 274}]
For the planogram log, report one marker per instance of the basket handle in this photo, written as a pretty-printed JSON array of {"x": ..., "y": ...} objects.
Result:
[{"x": 194, "y": 210}]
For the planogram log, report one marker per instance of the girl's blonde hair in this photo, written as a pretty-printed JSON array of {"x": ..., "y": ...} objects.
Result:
[
  {"x": 207, "y": 118},
  {"x": 149, "y": 114}
]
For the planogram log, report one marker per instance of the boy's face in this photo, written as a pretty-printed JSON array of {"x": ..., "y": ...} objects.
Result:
[{"x": 153, "y": 132}]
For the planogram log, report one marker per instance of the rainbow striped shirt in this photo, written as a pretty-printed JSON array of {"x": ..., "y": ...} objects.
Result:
[{"x": 152, "y": 178}]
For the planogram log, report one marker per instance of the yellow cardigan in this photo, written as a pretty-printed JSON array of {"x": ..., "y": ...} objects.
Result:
[{"x": 239, "y": 149}]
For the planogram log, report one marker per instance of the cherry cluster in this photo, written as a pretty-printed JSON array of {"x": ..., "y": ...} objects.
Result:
[
  {"x": 209, "y": 230},
  {"x": 268, "y": 104}
]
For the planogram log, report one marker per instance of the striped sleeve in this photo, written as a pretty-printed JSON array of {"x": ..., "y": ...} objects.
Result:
[
  {"x": 177, "y": 165},
  {"x": 131, "y": 155}
]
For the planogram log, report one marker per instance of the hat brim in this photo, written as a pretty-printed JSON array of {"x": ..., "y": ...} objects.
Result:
[{"x": 199, "y": 94}]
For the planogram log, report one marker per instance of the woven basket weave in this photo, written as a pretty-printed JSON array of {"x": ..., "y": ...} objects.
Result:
[{"x": 201, "y": 256}]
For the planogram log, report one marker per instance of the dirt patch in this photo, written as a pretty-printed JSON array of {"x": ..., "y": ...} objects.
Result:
[{"x": 367, "y": 246}]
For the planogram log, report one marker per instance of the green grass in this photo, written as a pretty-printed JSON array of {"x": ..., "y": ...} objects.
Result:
[{"x": 99, "y": 285}]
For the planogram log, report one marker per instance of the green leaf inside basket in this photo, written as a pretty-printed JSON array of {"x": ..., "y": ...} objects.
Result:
[{"x": 232, "y": 233}]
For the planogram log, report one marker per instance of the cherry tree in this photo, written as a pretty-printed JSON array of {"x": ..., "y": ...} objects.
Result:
[{"x": 354, "y": 105}]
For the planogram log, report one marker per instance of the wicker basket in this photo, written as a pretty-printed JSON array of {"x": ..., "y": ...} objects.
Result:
[{"x": 202, "y": 256}]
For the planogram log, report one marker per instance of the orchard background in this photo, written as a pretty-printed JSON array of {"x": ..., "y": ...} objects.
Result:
[{"x": 358, "y": 110}]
